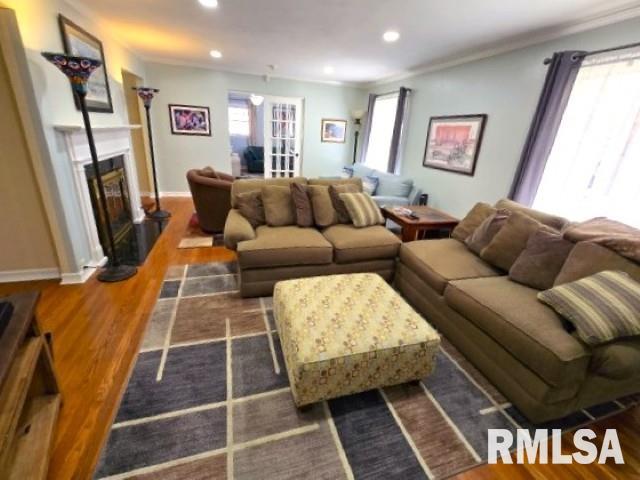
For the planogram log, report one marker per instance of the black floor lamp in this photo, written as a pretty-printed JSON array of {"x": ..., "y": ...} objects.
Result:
[
  {"x": 147, "y": 94},
  {"x": 78, "y": 70}
]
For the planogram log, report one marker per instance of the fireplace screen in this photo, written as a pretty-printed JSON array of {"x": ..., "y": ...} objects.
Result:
[{"x": 118, "y": 204}]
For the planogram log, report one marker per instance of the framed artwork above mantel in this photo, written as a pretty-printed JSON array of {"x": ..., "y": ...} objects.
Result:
[
  {"x": 80, "y": 43},
  {"x": 453, "y": 142}
]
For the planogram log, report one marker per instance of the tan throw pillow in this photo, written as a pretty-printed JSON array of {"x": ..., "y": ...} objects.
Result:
[
  {"x": 323, "y": 212},
  {"x": 511, "y": 240},
  {"x": 338, "y": 204},
  {"x": 541, "y": 261},
  {"x": 486, "y": 231},
  {"x": 363, "y": 210},
  {"x": 473, "y": 219},
  {"x": 278, "y": 206},
  {"x": 602, "y": 307},
  {"x": 302, "y": 203},
  {"x": 249, "y": 204}
]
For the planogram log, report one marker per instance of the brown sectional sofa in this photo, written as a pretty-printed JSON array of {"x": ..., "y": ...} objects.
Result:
[
  {"x": 518, "y": 342},
  {"x": 269, "y": 254}
]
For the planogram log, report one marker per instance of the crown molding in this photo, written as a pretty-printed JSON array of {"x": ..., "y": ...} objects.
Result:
[{"x": 516, "y": 43}]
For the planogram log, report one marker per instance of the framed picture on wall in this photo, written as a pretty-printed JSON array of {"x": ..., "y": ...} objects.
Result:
[
  {"x": 453, "y": 142},
  {"x": 81, "y": 43},
  {"x": 190, "y": 120},
  {"x": 334, "y": 131}
]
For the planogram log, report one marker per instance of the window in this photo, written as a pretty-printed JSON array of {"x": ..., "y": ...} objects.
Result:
[
  {"x": 239, "y": 121},
  {"x": 594, "y": 165},
  {"x": 381, "y": 132}
]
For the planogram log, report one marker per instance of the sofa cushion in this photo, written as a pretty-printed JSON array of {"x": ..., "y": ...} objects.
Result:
[
  {"x": 279, "y": 210},
  {"x": 338, "y": 203},
  {"x": 353, "y": 244},
  {"x": 302, "y": 205},
  {"x": 249, "y": 204},
  {"x": 439, "y": 261},
  {"x": 602, "y": 307},
  {"x": 324, "y": 214},
  {"x": 363, "y": 211},
  {"x": 283, "y": 246},
  {"x": 360, "y": 170},
  {"x": 507, "y": 245},
  {"x": 541, "y": 261},
  {"x": 486, "y": 231},
  {"x": 533, "y": 333},
  {"x": 588, "y": 258},
  {"x": 357, "y": 182},
  {"x": 553, "y": 221},
  {"x": 393, "y": 185},
  {"x": 619, "y": 360},
  {"x": 472, "y": 220},
  {"x": 252, "y": 184}
]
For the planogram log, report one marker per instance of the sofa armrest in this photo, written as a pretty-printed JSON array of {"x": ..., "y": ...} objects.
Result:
[
  {"x": 237, "y": 229},
  {"x": 414, "y": 195}
]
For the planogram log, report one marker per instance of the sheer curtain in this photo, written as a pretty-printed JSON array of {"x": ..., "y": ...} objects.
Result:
[{"x": 594, "y": 165}]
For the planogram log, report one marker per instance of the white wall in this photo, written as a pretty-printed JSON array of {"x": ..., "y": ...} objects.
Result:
[
  {"x": 176, "y": 154},
  {"x": 38, "y": 22},
  {"x": 507, "y": 88}
]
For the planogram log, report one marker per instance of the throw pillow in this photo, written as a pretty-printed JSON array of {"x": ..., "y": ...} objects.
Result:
[
  {"x": 363, "y": 210},
  {"x": 510, "y": 241},
  {"x": 602, "y": 307},
  {"x": 302, "y": 203},
  {"x": 249, "y": 204},
  {"x": 541, "y": 261},
  {"x": 474, "y": 218},
  {"x": 278, "y": 206},
  {"x": 369, "y": 185},
  {"x": 347, "y": 172},
  {"x": 338, "y": 204},
  {"x": 490, "y": 226},
  {"x": 324, "y": 214},
  {"x": 208, "y": 172},
  {"x": 390, "y": 185}
]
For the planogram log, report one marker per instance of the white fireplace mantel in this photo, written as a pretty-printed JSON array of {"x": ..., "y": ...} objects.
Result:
[{"x": 110, "y": 141}]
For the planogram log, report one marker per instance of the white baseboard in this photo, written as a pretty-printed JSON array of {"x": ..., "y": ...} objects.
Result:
[
  {"x": 175, "y": 194},
  {"x": 77, "y": 277},
  {"x": 28, "y": 275}
]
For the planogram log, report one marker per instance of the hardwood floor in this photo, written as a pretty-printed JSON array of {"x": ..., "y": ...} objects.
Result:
[{"x": 97, "y": 329}]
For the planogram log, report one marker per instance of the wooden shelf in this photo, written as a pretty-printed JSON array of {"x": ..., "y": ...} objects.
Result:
[
  {"x": 33, "y": 439},
  {"x": 14, "y": 392}
]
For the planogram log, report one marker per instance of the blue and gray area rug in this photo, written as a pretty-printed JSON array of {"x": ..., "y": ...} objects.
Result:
[{"x": 209, "y": 399}]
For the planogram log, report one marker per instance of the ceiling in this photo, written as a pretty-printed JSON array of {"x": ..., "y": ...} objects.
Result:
[{"x": 302, "y": 37}]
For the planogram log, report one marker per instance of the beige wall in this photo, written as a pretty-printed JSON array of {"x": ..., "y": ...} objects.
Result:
[
  {"x": 26, "y": 242},
  {"x": 138, "y": 140}
]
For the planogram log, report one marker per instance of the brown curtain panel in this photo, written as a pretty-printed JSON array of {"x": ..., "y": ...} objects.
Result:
[
  {"x": 367, "y": 127},
  {"x": 396, "y": 139},
  {"x": 563, "y": 69}
]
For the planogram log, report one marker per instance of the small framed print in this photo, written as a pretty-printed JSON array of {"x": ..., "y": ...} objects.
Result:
[
  {"x": 190, "y": 120},
  {"x": 453, "y": 143},
  {"x": 334, "y": 131}
]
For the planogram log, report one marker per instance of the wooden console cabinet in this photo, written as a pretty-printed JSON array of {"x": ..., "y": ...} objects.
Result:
[{"x": 29, "y": 394}]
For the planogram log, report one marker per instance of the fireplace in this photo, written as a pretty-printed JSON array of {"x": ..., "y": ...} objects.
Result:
[{"x": 113, "y": 174}]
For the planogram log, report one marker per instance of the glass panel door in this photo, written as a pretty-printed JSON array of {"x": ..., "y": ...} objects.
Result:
[{"x": 283, "y": 122}]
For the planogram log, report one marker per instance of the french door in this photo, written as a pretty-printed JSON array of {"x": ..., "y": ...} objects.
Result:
[{"x": 283, "y": 121}]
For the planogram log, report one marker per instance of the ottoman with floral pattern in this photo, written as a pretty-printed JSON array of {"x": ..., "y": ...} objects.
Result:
[{"x": 343, "y": 334}]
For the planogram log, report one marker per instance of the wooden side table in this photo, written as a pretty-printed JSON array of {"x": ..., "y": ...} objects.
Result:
[{"x": 430, "y": 219}]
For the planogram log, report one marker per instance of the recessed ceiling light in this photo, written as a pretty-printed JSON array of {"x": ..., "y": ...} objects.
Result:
[
  {"x": 215, "y": 53},
  {"x": 329, "y": 70},
  {"x": 391, "y": 36},
  {"x": 209, "y": 3}
]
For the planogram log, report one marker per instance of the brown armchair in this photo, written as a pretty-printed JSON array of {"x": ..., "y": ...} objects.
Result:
[{"x": 211, "y": 196}]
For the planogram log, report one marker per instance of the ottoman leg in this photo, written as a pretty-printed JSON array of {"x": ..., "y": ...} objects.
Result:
[{"x": 305, "y": 408}]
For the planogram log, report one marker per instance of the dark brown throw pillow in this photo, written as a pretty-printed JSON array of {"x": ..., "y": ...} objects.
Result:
[
  {"x": 485, "y": 232},
  {"x": 338, "y": 203},
  {"x": 302, "y": 202},
  {"x": 249, "y": 204},
  {"x": 541, "y": 261},
  {"x": 472, "y": 220}
]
